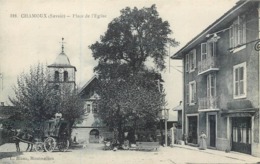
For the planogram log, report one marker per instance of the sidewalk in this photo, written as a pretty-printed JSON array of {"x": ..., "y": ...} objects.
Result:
[{"x": 233, "y": 155}]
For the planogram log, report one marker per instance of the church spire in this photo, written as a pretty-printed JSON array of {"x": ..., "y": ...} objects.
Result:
[{"x": 62, "y": 45}]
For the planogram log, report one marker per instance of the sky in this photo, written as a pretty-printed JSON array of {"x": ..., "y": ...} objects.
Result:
[{"x": 26, "y": 41}]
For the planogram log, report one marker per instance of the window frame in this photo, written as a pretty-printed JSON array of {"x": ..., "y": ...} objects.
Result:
[
  {"x": 203, "y": 53},
  {"x": 211, "y": 79},
  {"x": 239, "y": 81},
  {"x": 192, "y": 62},
  {"x": 237, "y": 33},
  {"x": 192, "y": 93}
]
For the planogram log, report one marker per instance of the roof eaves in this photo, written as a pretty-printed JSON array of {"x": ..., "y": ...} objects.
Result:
[
  {"x": 178, "y": 54},
  {"x": 88, "y": 82}
]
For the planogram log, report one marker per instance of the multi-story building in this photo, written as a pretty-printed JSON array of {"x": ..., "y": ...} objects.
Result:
[{"x": 221, "y": 81}]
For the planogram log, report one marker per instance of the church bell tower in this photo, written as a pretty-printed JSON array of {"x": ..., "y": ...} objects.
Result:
[{"x": 61, "y": 72}]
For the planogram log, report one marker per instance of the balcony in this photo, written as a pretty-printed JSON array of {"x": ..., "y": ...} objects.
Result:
[
  {"x": 208, "y": 104},
  {"x": 208, "y": 65}
]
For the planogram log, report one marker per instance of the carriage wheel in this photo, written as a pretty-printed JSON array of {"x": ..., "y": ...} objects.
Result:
[
  {"x": 49, "y": 144},
  {"x": 63, "y": 145},
  {"x": 39, "y": 147}
]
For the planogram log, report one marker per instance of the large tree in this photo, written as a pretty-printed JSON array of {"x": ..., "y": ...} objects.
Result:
[
  {"x": 36, "y": 100},
  {"x": 130, "y": 40},
  {"x": 129, "y": 91}
]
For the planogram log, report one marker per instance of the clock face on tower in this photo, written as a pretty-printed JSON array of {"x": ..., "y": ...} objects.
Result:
[{"x": 61, "y": 70}]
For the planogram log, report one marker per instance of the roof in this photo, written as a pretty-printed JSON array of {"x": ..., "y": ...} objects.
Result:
[
  {"x": 61, "y": 60},
  {"x": 87, "y": 84},
  {"x": 177, "y": 108},
  {"x": 215, "y": 26}
]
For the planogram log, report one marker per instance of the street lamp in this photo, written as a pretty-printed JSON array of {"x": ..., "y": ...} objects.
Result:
[{"x": 165, "y": 117}]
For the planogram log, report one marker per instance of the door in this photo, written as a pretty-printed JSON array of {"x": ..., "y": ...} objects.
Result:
[
  {"x": 212, "y": 130},
  {"x": 192, "y": 129},
  {"x": 241, "y": 134}
]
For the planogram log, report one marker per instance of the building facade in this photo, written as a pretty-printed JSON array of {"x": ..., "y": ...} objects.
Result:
[
  {"x": 91, "y": 129},
  {"x": 221, "y": 81}
]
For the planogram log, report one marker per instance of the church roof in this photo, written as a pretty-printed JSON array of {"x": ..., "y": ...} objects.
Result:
[
  {"x": 87, "y": 85},
  {"x": 62, "y": 60}
]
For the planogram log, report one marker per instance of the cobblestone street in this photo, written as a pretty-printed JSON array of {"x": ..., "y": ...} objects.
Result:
[{"x": 93, "y": 154}]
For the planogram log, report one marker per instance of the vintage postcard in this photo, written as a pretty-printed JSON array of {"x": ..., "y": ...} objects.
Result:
[{"x": 148, "y": 81}]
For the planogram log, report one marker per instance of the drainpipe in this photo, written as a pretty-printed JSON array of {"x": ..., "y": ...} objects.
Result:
[
  {"x": 183, "y": 98},
  {"x": 258, "y": 63}
]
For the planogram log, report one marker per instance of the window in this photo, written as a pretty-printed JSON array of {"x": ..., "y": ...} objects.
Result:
[
  {"x": 94, "y": 107},
  {"x": 192, "y": 58},
  {"x": 237, "y": 32},
  {"x": 239, "y": 81},
  {"x": 65, "y": 76},
  {"x": 211, "y": 46},
  {"x": 211, "y": 85},
  {"x": 192, "y": 93},
  {"x": 88, "y": 108},
  {"x": 56, "y": 76},
  {"x": 208, "y": 49},
  {"x": 191, "y": 61},
  {"x": 203, "y": 51}
]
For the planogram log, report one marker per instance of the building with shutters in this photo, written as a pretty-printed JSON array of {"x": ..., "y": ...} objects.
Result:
[{"x": 221, "y": 81}]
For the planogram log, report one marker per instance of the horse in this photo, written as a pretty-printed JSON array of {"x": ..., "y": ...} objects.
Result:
[{"x": 23, "y": 136}]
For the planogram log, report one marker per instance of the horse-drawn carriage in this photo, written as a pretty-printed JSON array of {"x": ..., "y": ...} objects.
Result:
[{"x": 53, "y": 134}]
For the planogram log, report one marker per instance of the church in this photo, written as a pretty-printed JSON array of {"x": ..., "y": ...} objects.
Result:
[{"x": 62, "y": 74}]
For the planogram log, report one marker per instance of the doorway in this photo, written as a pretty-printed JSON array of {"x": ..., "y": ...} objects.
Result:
[
  {"x": 241, "y": 134},
  {"x": 192, "y": 130},
  {"x": 94, "y": 136},
  {"x": 212, "y": 130}
]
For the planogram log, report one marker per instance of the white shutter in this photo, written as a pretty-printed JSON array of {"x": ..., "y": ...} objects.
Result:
[
  {"x": 187, "y": 94},
  {"x": 194, "y": 58},
  {"x": 244, "y": 31},
  {"x": 187, "y": 62},
  {"x": 231, "y": 37},
  {"x": 195, "y": 92}
]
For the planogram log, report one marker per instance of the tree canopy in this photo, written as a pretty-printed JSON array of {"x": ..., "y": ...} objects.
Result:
[
  {"x": 130, "y": 40},
  {"x": 36, "y": 100}
]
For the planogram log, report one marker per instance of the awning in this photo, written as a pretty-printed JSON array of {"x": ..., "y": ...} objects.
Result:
[{"x": 248, "y": 112}]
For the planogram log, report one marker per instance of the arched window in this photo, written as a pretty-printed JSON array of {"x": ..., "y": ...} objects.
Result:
[
  {"x": 66, "y": 78},
  {"x": 88, "y": 108},
  {"x": 56, "y": 76}
]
